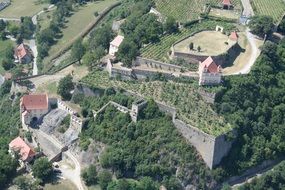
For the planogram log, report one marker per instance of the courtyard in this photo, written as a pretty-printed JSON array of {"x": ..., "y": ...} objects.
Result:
[{"x": 212, "y": 43}]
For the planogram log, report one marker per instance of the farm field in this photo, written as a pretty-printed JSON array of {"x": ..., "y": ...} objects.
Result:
[
  {"x": 187, "y": 10},
  {"x": 77, "y": 23},
  {"x": 191, "y": 108},
  {"x": 274, "y": 8},
  {"x": 160, "y": 50},
  {"x": 19, "y": 8}
]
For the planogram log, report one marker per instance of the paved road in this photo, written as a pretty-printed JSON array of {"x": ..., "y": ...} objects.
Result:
[
  {"x": 247, "y": 9},
  {"x": 255, "y": 52},
  {"x": 75, "y": 174}
]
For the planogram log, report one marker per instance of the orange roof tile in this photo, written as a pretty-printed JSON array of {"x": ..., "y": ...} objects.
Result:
[
  {"x": 234, "y": 36},
  {"x": 18, "y": 144},
  {"x": 117, "y": 41},
  {"x": 211, "y": 66},
  {"x": 35, "y": 101},
  {"x": 226, "y": 2},
  {"x": 21, "y": 51}
]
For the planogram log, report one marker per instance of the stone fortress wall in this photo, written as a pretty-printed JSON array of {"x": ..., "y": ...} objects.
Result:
[{"x": 211, "y": 148}]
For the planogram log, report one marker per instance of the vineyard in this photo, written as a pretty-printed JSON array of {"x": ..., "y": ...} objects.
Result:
[
  {"x": 191, "y": 108},
  {"x": 274, "y": 8},
  {"x": 187, "y": 10},
  {"x": 160, "y": 50}
]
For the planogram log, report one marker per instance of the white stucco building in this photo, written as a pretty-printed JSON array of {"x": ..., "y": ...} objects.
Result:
[
  {"x": 209, "y": 72},
  {"x": 33, "y": 107},
  {"x": 114, "y": 45}
]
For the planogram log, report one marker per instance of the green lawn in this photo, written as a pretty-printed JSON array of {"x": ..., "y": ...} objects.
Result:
[
  {"x": 61, "y": 185},
  {"x": 275, "y": 9},
  {"x": 3, "y": 45},
  {"x": 45, "y": 18},
  {"x": 76, "y": 24},
  {"x": 20, "y": 8}
]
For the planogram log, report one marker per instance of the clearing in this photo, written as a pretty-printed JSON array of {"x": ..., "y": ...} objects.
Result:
[
  {"x": 229, "y": 14},
  {"x": 19, "y": 8},
  {"x": 77, "y": 24},
  {"x": 274, "y": 8},
  {"x": 211, "y": 42}
]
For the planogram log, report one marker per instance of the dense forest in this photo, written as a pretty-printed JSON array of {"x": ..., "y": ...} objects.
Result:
[
  {"x": 150, "y": 148},
  {"x": 255, "y": 105},
  {"x": 10, "y": 122}
]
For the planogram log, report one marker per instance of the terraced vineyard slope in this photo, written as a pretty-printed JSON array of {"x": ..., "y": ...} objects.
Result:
[
  {"x": 273, "y": 8},
  {"x": 190, "y": 106},
  {"x": 187, "y": 10}
]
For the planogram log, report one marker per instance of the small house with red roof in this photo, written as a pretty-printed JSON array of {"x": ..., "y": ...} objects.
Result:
[
  {"x": 209, "y": 72},
  {"x": 227, "y": 4},
  {"x": 33, "y": 107},
  {"x": 23, "y": 54},
  {"x": 114, "y": 45},
  {"x": 233, "y": 36},
  {"x": 25, "y": 152}
]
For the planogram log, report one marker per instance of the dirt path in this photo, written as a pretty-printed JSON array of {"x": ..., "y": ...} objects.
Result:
[{"x": 247, "y": 8}]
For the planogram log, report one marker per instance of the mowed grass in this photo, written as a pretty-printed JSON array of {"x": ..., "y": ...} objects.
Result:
[
  {"x": 187, "y": 10},
  {"x": 77, "y": 23},
  {"x": 61, "y": 185},
  {"x": 273, "y": 8},
  {"x": 19, "y": 8}
]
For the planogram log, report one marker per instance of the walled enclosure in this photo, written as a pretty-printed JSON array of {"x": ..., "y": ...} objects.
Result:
[{"x": 193, "y": 58}]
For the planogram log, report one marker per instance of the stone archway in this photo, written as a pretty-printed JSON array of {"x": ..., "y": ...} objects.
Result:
[{"x": 219, "y": 29}]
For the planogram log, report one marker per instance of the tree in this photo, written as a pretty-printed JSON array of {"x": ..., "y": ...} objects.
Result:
[
  {"x": 104, "y": 178},
  {"x": 261, "y": 25},
  {"x": 27, "y": 27},
  {"x": 65, "y": 85},
  {"x": 2, "y": 25},
  {"x": 199, "y": 48},
  {"x": 89, "y": 175},
  {"x": 42, "y": 169},
  {"x": 8, "y": 167},
  {"x": 191, "y": 46},
  {"x": 281, "y": 26},
  {"x": 127, "y": 52},
  {"x": 24, "y": 183},
  {"x": 170, "y": 25},
  {"x": 77, "y": 50},
  {"x": 146, "y": 183},
  {"x": 7, "y": 64}
]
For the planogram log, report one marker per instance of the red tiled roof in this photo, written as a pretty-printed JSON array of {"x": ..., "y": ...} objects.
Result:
[
  {"x": 226, "y": 2},
  {"x": 35, "y": 101},
  {"x": 18, "y": 144},
  {"x": 21, "y": 51},
  {"x": 234, "y": 36},
  {"x": 211, "y": 66},
  {"x": 117, "y": 41}
]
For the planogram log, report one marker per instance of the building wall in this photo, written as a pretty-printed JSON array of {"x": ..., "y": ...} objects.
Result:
[
  {"x": 33, "y": 113},
  {"x": 113, "y": 49},
  {"x": 209, "y": 78}
]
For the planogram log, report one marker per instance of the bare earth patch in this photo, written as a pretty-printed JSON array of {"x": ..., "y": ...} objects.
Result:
[{"x": 211, "y": 43}]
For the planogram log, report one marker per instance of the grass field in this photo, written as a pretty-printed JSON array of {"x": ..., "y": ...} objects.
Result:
[
  {"x": 20, "y": 8},
  {"x": 211, "y": 43},
  {"x": 159, "y": 51},
  {"x": 45, "y": 18},
  {"x": 186, "y": 10},
  {"x": 3, "y": 45},
  {"x": 61, "y": 185},
  {"x": 274, "y": 8},
  {"x": 76, "y": 24},
  {"x": 191, "y": 108}
]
